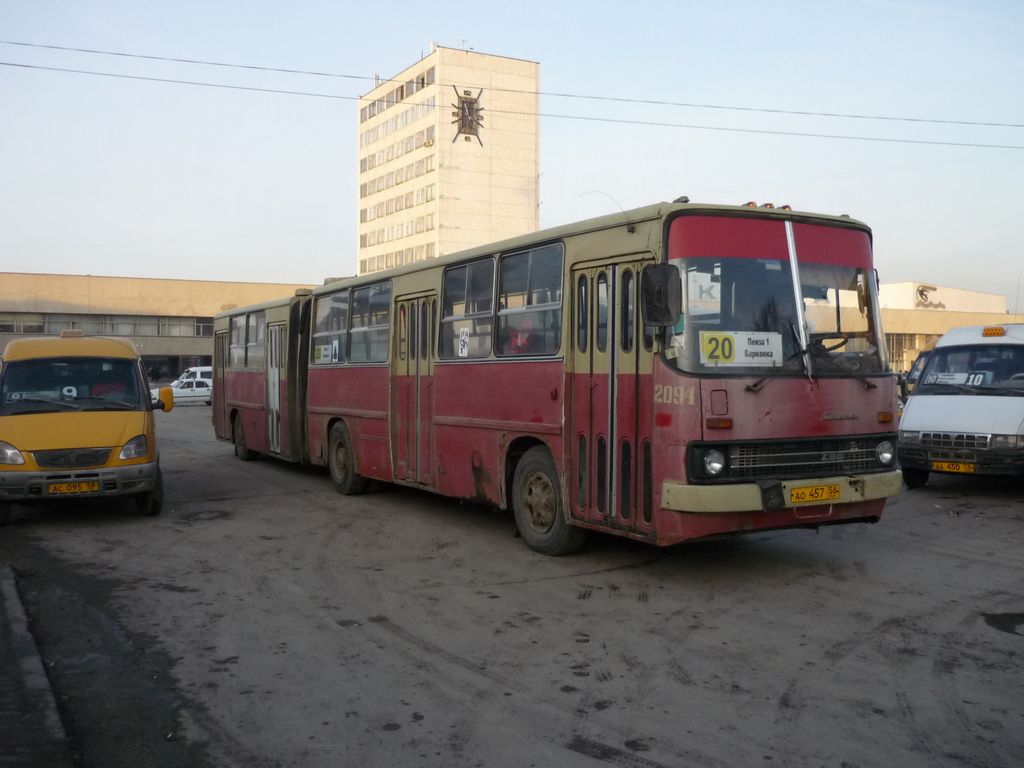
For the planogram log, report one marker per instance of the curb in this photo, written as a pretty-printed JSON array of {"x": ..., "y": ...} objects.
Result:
[{"x": 29, "y": 721}]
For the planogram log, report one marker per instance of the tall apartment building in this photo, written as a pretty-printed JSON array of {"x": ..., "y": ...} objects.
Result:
[{"x": 448, "y": 157}]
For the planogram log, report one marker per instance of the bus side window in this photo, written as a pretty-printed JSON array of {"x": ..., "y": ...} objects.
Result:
[
  {"x": 530, "y": 302},
  {"x": 582, "y": 314},
  {"x": 467, "y": 318}
]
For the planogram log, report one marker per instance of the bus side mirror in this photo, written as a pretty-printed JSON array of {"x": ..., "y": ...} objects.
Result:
[{"x": 661, "y": 295}]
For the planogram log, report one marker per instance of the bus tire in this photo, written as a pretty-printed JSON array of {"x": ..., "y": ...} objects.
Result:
[
  {"x": 915, "y": 478},
  {"x": 342, "y": 463},
  {"x": 151, "y": 503},
  {"x": 5, "y": 514},
  {"x": 239, "y": 434},
  {"x": 537, "y": 506}
]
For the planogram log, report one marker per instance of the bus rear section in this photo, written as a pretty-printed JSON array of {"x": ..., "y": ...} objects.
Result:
[
  {"x": 259, "y": 371},
  {"x": 773, "y": 402}
]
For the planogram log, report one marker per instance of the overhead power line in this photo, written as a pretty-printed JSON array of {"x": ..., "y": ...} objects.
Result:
[
  {"x": 556, "y": 94},
  {"x": 619, "y": 121}
]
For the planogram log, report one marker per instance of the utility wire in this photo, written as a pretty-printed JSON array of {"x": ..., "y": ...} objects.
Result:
[
  {"x": 180, "y": 82},
  {"x": 589, "y": 97},
  {"x": 612, "y": 120}
]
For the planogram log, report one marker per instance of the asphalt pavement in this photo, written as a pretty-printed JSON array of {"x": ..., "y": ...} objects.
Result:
[{"x": 31, "y": 732}]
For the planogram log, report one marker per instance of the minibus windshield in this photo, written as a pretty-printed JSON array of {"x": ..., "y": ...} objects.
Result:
[
  {"x": 51, "y": 385},
  {"x": 975, "y": 369}
]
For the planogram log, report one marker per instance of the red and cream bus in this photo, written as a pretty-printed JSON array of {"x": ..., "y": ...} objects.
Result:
[{"x": 668, "y": 373}]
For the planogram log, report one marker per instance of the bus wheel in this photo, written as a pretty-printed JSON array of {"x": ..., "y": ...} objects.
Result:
[
  {"x": 240, "y": 450},
  {"x": 537, "y": 506},
  {"x": 342, "y": 464},
  {"x": 915, "y": 478},
  {"x": 151, "y": 503}
]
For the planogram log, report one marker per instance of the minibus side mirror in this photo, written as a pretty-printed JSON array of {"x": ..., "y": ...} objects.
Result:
[
  {"x": 661, "y": 295},
  {"x": 165, "y": 402}
]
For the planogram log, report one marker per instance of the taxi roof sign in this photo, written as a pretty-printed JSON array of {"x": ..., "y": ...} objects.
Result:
[{"x": 993, "y": 330}]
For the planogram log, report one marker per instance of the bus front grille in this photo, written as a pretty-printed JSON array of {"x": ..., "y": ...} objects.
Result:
[{"x": 754, "y": 461}]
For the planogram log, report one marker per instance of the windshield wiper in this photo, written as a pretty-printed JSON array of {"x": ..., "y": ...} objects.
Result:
[
  {"x": 107, "y": 403},
  {"x": 839, "y": 367},
  {"x": 959, "y": 387},
  {"x": 66, "y": 404},
  {"x": 758, "y": 385}
]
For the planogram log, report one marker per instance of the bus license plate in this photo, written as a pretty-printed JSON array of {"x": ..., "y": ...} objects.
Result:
[
  {"x": 814, "y": 494},
  {"x": 86, "y": 486},
  {"x": 953, "y": 466}
]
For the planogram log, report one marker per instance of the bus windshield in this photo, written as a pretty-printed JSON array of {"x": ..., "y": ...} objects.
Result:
[
  {"x": 52, "y": 385},
  {"x": 746, "y": 313},
  {"x": 988, "y": 369}
]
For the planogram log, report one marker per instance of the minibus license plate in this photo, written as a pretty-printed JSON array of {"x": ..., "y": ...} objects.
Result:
[
  {"x": 813, "y": 494},
  {"x": 953, "y": 466},
  {"x": 86, "y": 486}
]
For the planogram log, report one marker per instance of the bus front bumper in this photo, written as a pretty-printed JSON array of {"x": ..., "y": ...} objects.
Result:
[{"x": 767, "y": 496}]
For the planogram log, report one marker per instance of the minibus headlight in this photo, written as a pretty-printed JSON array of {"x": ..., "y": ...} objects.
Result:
[
  {"x": 9, "y": 454},
  {"x": 714, "y": 462},
  {"x": 136, "y": 448},
  {"x": 1003, "y": 442},
  {"x": 910, "y": 438},
  {"x": 885, "y": 452}
]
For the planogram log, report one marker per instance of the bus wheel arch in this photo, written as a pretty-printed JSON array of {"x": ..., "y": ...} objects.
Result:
[
  {"x": 341, "y": 460},
  {"x": 242, "y": 451},
  {"x": 537, "y": 506}
]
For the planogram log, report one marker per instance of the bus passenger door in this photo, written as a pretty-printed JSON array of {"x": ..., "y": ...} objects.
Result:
[
  {"x": 610, "y": 427},
  {"x": 221, "y": 424},
  {"x": 412, "y": 390},
  {"x": 274, "y": 365}
]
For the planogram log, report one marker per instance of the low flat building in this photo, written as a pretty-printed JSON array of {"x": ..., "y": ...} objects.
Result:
[
  {"x": 915, "y": 315},
  {"x": 170, "y": 321}
]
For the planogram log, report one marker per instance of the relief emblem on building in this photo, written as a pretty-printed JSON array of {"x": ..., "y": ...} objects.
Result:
[
  {"x": 468, "y": 115},
  {"x": 923, "y": 298}
]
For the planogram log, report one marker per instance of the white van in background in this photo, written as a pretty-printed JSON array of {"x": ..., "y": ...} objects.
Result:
[
  {"x": 193, "y": 385},
  {"x": 204, "y": 372},
  {"x": 966, "y": 414}
]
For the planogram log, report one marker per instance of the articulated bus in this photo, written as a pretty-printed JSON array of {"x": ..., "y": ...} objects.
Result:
[{"x": 668, "y": 373}]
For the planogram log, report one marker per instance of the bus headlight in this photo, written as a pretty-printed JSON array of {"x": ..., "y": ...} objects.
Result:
[
  {"x": 910, "y": 438},
  {"x": 9, "y": 454},
  {"x": 1004, "y": 442},
  {"x": 136, "y": 448},
  {"x": 885, "y": 452},
  {"x": 714, "y": 462}
]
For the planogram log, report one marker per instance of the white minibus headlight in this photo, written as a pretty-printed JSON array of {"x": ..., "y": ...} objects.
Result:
[
  {"x": 9, "y": 454},
  {"x": 714, "y": 462},
  {"x": 136, "y": 448},
  {"x": 886, "y": 452},
  {"x": 1004, "y": 442},
  {"x": 910, "y": 438}
]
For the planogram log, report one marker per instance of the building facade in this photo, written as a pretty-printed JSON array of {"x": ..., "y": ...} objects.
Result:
[
  {"x": 915, "y": 315},
  {"x": 449, "y": 157},
  {"x": 170, "y": 321}
]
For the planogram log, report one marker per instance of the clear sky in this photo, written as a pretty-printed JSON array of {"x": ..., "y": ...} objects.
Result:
[{"x": 124, "y": 177}]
